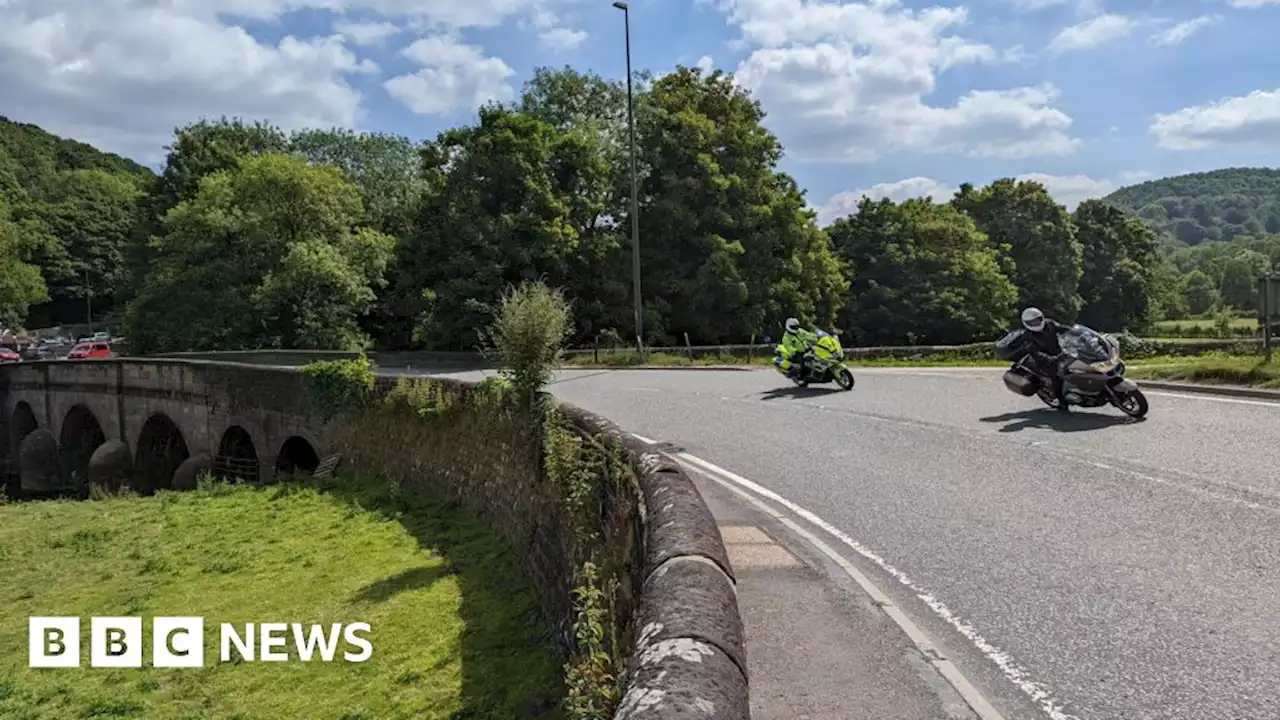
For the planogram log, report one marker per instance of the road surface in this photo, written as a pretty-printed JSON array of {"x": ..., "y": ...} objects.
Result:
[{"x": 1083, "y": 566}]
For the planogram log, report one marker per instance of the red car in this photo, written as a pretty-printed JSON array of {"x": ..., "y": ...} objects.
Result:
[
  {"x": 8, "y": 356},
  {"x": 89, "y": 351}
]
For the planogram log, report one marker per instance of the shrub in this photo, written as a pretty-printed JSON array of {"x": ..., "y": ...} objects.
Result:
[
  {"x": 338, "y": 385},
  {"x": 528, "y": 335}
]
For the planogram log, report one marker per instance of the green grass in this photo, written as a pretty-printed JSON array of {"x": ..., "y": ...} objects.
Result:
[
  {"x": 1236, "y": 323},
  {"x": 455, "y": 631},
  {"x": 632, "y": 359},
  {"x": 1213, "y": 369}
]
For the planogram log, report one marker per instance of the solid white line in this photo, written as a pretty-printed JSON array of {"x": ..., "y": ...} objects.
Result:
[
  {"x": 1015, "y": 673},
  {"x": 644, "y": 439},
  {"x": 1215, "y": 398}
]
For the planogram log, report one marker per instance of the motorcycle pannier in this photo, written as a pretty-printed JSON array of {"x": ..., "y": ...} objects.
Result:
[
  {"x": 1013, "y": 346},
  {"x": 1021, "y": 384}
]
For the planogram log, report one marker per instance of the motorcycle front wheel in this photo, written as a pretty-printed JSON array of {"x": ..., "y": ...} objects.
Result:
[
  {"x": 1133, "y": 403},
  {"x": 844, "y": 379}
]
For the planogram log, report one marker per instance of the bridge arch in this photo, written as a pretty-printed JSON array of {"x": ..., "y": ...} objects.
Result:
[
  {"x": 22, "y": 421},
  {"x": 80, "y": 436},
  {"x": 237, "y": 457},
  {"x": 158, "y": 453},
  {"x": 297, "y": 455}
]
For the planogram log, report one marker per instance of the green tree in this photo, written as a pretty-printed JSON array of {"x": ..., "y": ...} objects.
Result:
[
  {"x": 503, "y": 211},
  {"x": 269, "y": 254},
  {"x": 1240, "y": 279},
  {"x": 1200, "y": 291},
  {"x": 208, "y": 146},
  {"x": 21, "y": 285},
  {"x": 922, "y": 273},
  {"x": 1041, "y": 239},
  {"x": 1117, "y": 285},
  {"x": 86, "y": 225},
  {"x": 727, "y": 246}
]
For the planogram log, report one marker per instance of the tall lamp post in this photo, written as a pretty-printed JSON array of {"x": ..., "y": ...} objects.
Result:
[{"x": 635, "y": 199}]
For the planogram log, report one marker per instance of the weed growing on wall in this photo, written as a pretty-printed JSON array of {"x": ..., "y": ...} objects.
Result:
[
  {"x": 528, "y": 335},
  {"x": 335, "y": 386}
]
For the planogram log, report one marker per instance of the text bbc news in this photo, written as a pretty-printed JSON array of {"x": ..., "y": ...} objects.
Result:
[{"x": 178, "y": 642}]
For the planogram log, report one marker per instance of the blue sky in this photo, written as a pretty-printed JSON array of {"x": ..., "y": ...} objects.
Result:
[{"x": 888, "y": 99}]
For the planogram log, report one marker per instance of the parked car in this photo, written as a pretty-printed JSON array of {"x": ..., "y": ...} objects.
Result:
[
  {"x": 7, "y": 355},
  {"x": 89, "y": 351}
]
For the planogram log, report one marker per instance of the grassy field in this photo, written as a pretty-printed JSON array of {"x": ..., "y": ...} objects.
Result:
[
  {"x": 1212, "y": 369},
  {"x": 455, "y": 632},
  {"x": 630, "y": 359}
]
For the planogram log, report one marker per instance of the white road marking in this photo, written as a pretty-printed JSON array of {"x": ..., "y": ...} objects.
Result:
[
  {"x": 1215, "y": 398},
  {"x": 1015, "y": 673},
  {"x": 644, "y": 439}
]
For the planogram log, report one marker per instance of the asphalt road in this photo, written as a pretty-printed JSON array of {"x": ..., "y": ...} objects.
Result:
[{"x": 1083, "y": 566}]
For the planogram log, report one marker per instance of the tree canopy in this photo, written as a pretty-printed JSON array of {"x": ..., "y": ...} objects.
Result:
[{"x": 251, "y": 236}]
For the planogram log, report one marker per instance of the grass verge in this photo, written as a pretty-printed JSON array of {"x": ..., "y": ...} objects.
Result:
[
  {"x": 1219, "y": 369},
  {"x": 631, "y": 359},
  {"x": 455, "y": 631}
]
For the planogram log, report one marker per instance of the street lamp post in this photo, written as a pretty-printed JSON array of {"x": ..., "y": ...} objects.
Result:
[{"x": 635, "y": 198}]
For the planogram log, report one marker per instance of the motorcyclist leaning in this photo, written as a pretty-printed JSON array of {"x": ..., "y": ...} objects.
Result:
[
  {"x": 1047, "y": 350},
  {"x": 796, "y": 341}
]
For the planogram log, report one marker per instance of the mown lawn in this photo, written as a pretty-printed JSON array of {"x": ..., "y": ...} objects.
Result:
[
  {"x": 1246, "y": 323},
  {"x": 455, "y": 631}
]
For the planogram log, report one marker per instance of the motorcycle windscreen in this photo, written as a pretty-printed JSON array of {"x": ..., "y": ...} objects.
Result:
[{"x": 1086, "y": 345}]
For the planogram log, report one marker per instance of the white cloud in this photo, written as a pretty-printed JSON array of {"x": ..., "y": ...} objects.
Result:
[
  {"x": 850, "y": 81},
  {"x": 1092, "y": 33},
  {"x": 845, "y": 203},
  {"x": 1251, "y": 120},
  {"x": 124, "y": 73},
  {"x": 1251, "y": 4},
  {"x": 1070, "y": 190},
  {"x": 365, "y": 33},
  {"x": 454, "y": 76},
  {"x": 1179, "y": 33},
  {"x": 706, "y": 64},
  {"x": 561, "y": 38},
  {"x": 551, "y": 30}
]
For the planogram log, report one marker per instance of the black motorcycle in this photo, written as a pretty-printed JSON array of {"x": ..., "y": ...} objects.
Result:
[{"x": 1093, "y": 374}]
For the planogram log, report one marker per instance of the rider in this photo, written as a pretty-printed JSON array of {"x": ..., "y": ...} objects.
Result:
[
  {"x": 1047, "y": 351},
  {"x": 796, "y": 341}
]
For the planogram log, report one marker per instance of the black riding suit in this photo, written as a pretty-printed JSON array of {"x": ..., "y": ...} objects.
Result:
[{"x": 1047, "y": 353}]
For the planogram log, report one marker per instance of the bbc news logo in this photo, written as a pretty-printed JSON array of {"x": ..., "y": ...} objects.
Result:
[{"x": 178, "y": 642}]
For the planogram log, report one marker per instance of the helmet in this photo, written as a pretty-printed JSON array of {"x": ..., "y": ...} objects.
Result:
[
  {"x": 792, "y": 325},
  {"x": 1033, "y": 319}
]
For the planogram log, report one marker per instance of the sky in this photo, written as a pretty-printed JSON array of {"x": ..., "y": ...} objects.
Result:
[{"x": 885, "y": 98}]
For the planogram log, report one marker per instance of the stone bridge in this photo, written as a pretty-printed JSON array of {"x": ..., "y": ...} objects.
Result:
[{"x": 150, "y": 423}]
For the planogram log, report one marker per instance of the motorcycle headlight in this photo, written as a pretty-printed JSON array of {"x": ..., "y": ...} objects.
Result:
[{"x": 1102, "y": 367}]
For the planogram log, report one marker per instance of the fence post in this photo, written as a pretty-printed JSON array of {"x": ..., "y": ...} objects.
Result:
[
  {"x": 751, "y": 350},
  {"x": 688, "y": 349}
]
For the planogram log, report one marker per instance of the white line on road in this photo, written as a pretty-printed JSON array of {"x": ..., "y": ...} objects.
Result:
[
  {"x": 1019, "y": 676},
  {"x": 1215, "y": 398},
  {"x": 644, "y": 439}
]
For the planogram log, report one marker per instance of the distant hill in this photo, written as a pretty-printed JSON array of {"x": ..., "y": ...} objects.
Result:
[
  {"x": 35, "y": 156},
  {"x": 1208, "y": 206}
]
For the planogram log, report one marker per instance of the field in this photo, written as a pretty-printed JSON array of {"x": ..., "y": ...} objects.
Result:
[
  {"x": 455, "y": 632},
  {"x": 1212, "y": 369}
]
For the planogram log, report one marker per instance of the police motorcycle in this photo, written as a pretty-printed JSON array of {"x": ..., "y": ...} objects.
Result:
[{"x": 822, "y": 363}]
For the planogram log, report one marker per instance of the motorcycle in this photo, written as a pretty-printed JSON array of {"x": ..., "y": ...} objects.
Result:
[
  {"x": 1093, "y": 373},
  {"x": 821, "y": 363}
]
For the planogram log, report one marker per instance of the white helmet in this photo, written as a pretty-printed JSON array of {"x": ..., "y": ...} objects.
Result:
[
  {"x": 792, "y": 325},
  {"x": 1033, "y": 319}
]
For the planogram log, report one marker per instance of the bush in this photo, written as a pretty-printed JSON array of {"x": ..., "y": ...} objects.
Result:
[
  {"x": 528, "y": 335},
  {"x": 338, "y": 385}
]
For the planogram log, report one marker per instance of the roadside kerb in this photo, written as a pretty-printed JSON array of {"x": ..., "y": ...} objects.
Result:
[
  {"x": 690, "y": 657},
  {"x": 1223, "y": 390}
]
